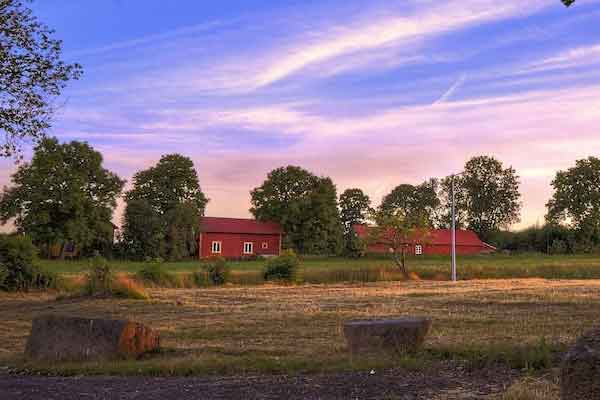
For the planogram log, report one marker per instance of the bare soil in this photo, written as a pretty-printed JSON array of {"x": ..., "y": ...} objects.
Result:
[{"x": 446, "y": 381}]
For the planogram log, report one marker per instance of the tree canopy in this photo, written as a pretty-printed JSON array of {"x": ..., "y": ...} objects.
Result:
[
  {"x": 63, "y": 194},
  {"x": 163, "y": 209},
  {"x": 31, "y": 75},
  {"x": 399, "y": 231},
  {"x": 306, "y": 207},
  {"x": 576, "y": 198},
  {"x": 420, "y": 200},
  {"x": 487, "y": 196}
]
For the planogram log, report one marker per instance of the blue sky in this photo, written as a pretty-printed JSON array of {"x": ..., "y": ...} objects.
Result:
[{"x": 371, "y": 93}]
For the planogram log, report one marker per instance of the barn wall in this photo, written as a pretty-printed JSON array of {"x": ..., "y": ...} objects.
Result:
[
  {"x": 441, "y": 249},
  {"x": 232, "y": 244}
]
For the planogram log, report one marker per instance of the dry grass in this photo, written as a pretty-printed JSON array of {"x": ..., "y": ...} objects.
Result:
[
  {"x": 531, "y": 389},
  {"x": 278, "y": 329}
]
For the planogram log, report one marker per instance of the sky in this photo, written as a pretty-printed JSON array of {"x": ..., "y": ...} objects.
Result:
[{"x": 371, "y": 93}]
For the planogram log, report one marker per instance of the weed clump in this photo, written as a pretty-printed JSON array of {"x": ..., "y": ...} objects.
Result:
[
  {"x": 101, "y": 281},
  {"x": 154, "y": 272},
  {"x": 215, "y": 272},
  {"x": 282, "y": 268}
]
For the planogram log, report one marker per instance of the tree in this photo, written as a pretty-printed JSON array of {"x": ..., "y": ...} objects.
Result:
[
  {"x": 576, "y": 199},
  {"x": 412, "y": 200},
  {"x": 399, "y": 231},
  {"x": 305, "y": 205},
  {"x": 163, "y": 209},
  {"x": 63, "y": 194},
  {"x": 31, "y": 75},
  {"x": 355, "y": 207},
  {"x": 487, "y": 196},
  {"x": 568, "y": 2}
]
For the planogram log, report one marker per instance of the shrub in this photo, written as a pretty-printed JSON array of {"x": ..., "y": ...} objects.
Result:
[
  {"x": 99, "y": 279},
  {"x": 284, "y": 267},
  {"x": 217, "y": 271},
  {"x": 17, "y": 265},
  {"x": 155, "y": 272}
]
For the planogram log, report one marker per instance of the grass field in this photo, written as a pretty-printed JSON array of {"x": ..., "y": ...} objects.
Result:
[
  {"x": 331, "y": 270},
  {"x": 523, "y": 324}
]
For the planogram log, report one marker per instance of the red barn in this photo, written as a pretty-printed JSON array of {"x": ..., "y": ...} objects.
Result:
[
  {"x": 437, "y": 241},
  {"x": 238, "y": 238}
]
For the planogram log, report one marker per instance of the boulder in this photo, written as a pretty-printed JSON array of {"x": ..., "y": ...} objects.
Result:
[
  {"x": 61, "y": 338},
  {"x": 580, "y": 369},
  {"x": 404, "y": 335}
]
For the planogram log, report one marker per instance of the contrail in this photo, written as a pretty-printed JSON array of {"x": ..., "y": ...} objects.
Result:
[{"x": 452, "y": 89}]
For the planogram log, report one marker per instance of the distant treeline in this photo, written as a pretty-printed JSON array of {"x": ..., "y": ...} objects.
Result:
[{"x": 64, "y": 197}]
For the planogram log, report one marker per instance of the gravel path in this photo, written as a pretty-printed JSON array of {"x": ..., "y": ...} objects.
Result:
[{"x": 440, "y": 383}]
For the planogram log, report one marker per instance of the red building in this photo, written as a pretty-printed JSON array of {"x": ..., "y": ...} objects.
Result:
[
  {"x": 437, "y": 241},
  {"x": 238, "y": 238}
]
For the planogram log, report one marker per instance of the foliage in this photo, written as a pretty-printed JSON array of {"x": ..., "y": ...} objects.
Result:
[
  {"x": 399, "y": 231},
  {"x": 306, "y": 207},
  {"x": 154, "y": 271},
  {"x": 283, "y": 267},
  {"x": 535, "y": 239},
  {"x": 568, "y": 2},
  {"x": 63, "y": 194},
  {"x": 31, "y": 75},
  {"x": 18, "y": 270},
  {"x": 487, "y": 196},
  {"x": 419, "y": 201},
  {"x": 355, "y": 207},
  {"x": 576, "y": 201},
  {"x": 143, "y": 235},
  {"x": 99, "y": 278},
  {"x": 163, "y": 210},
  {"x": 217, "y": 271}
]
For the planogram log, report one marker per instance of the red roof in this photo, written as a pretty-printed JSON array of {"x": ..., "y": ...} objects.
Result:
[
  {"x": 440, "y": 237},
  {"x": 239, "y": 225}
]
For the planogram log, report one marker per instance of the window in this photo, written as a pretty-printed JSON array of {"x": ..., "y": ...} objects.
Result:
[
  {"x": 418, "y": 250},
  {"x": 265, "y": 245},
  {"x": 216, "y": 247},
  {"x": 248, "y": 247}
]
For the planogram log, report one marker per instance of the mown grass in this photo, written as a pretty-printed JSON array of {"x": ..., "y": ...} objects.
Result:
[
  {"x": 334, "y": 269},
  {"x": 521, "y": 324}
]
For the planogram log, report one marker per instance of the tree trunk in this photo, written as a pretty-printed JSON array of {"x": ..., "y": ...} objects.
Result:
[{"x": 401, "y": 262}]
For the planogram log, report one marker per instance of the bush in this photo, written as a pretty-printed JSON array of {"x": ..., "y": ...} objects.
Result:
[
  {"x": 99, "y": 279},
  {"x": 17, "y": 265},
  {"x": 217, "y": 271},
  {"x": 154, "y": 272},
  {"x": 284, "y": 267}
]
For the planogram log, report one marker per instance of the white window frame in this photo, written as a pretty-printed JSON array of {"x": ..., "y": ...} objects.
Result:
[
  {"x": 216, "y": 247},
  {"x": 418, "y": 250},
  {"x": 265, "y": 245},
  {"x": 249, "y": 245}
]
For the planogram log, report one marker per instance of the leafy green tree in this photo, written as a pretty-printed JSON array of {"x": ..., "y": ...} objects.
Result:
[
  {"x": 31, "y": 75},
  {"x": 568, "y": 2},
  {"x": 306, "y": 207},
  {"x": 399, "y": 231},
  {"x": 355, "y": 207},
  {"x": 63, "y": 194},
  {"x": 143, "y": 233},
  {"x": 487, "y": 196},
  {"x": 576, "y": 200},
  {"x": 163, "y": 209},
  {"x": 421, "y": 200}
]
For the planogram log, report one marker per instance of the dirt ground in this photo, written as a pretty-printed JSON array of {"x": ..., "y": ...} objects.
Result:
[{"x": 444, "y": 382}]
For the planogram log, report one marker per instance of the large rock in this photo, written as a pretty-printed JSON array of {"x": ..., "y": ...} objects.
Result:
[
  {"x": 402, "y": 335},
  {"x": 61, "y": 338},
  {"x": 580, "y": 370}
]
